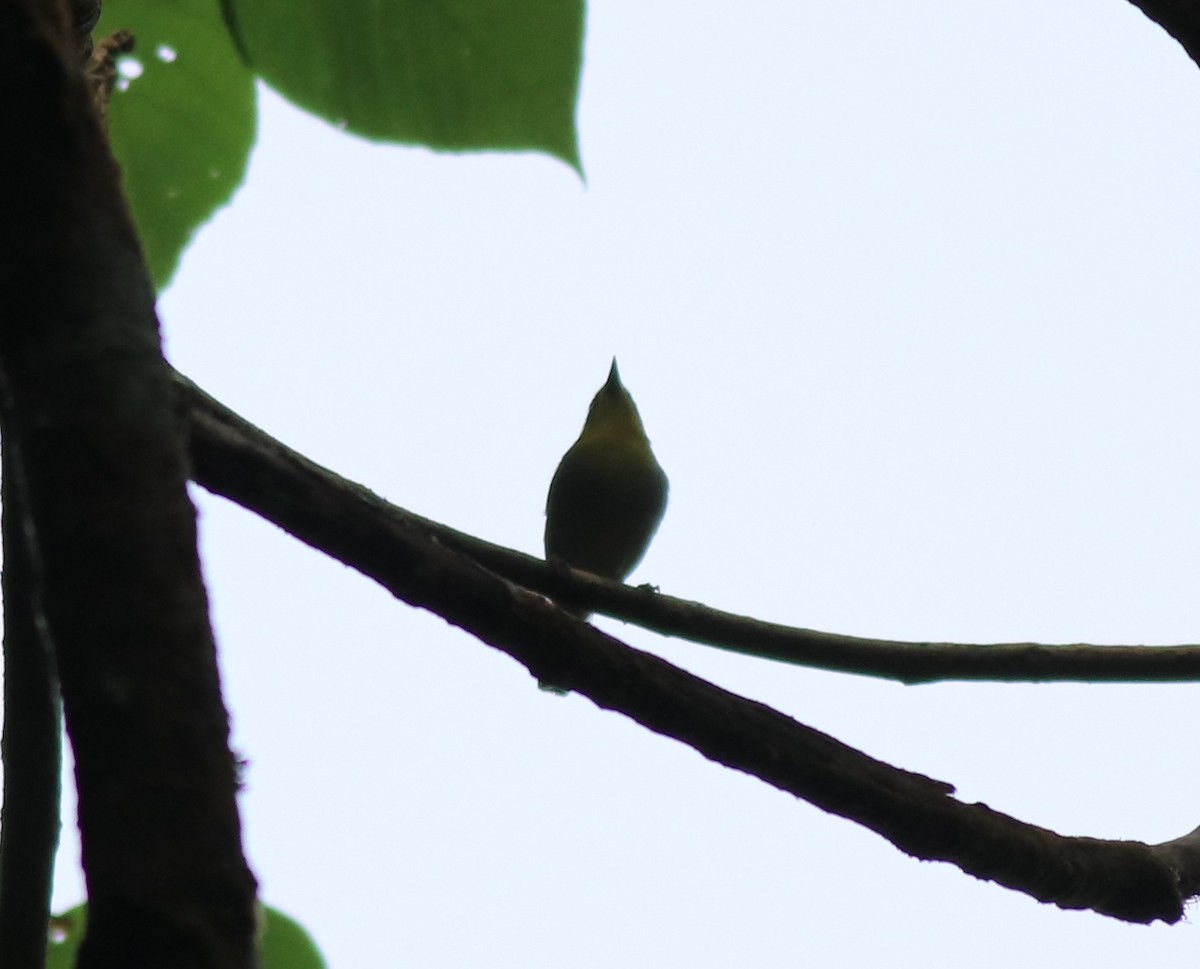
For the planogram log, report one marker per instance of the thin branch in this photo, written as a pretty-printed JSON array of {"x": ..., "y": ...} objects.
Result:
[
  {"x": 907, "y": 662},
  {"x": 232, "y": 454},
  {"x": 1126, "y": 880}
]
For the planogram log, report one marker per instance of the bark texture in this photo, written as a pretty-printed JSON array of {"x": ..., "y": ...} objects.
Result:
[{"x": 88, "y": 400}]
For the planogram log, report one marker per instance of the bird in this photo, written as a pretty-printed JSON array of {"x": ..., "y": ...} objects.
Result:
[{"x": 609, "y": 493}]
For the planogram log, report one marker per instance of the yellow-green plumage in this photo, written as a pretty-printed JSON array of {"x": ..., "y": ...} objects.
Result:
[{"x": 609, "y": 493}]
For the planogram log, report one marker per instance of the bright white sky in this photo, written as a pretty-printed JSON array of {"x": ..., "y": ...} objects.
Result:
[{"x": 907, "y": 295}]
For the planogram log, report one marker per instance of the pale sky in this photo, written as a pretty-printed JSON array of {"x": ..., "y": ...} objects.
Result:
[{"x": 907, "y": 296}]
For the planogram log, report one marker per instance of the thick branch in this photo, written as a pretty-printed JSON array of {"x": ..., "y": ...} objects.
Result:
[
  {"x": 1182, "y": 856},
  {"x": 90, "y": 406},
  {"x": 1123, "y": 879},
  {"x": 1179, "y": 18},
  {"x": 32, "y": 740}
]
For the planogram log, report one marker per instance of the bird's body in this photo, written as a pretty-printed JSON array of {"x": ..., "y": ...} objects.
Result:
[{"x": 609, "y": 494}]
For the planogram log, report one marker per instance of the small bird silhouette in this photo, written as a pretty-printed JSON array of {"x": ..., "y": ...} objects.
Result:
[{"x": 609, "y": 494}]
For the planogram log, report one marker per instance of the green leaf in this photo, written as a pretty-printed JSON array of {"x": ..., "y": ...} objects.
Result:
[
  {"x": 285, "y": 945},
  {"x": 282, "y": 943},
  {"x": 66, "y": 932},
  {"x": 458, "y": 75},
  {"x": 183, "y": 127}
]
